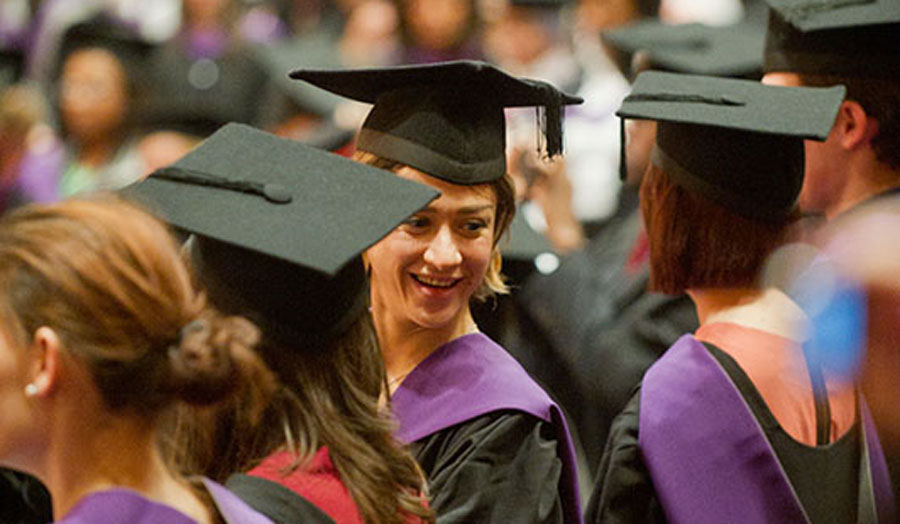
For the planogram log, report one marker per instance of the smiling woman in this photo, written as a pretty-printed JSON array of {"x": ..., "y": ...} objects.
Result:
[{"x": 460, "y": 399}]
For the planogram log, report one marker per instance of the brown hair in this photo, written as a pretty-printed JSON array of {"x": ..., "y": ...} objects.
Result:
[
  {"x": 695, "y": 243},
  {"x": 314, "y": 394},
  {"x": 880, "y": 98},
  {"x": 494, "y": 282},
  {"x": 108, "y": 279}
]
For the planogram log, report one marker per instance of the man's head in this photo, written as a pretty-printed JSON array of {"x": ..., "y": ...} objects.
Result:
[{"x": 856, "y": 47}]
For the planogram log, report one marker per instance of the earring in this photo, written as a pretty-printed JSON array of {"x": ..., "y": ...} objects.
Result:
[{"x": 31, "y": 390}]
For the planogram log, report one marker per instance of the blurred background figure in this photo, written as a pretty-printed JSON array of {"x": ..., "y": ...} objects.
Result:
[
  {"x": 30, "y": 154},
  {"x": 439, "y": 30},
  {"x": 206, "y": 69},
  {"x": 100, "y": 85}
]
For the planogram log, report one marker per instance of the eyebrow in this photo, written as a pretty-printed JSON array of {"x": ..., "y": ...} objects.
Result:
[{"x": 468, "y": 210}]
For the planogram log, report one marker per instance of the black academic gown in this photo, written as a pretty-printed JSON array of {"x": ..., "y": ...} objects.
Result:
[
  {"x": 824, "y": 478},
  {"x": 23, "y": 499},
  {"x": 604, "y": 329},
  {"x": 499, "y": 467}
]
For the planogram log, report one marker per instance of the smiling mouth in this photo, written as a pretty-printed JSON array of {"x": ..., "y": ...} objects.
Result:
[{"x": 436, "y": 283}]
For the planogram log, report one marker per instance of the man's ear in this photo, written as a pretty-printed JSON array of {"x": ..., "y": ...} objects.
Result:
[
  {"x": 45, "y": 351},
  {"x": 855, "y": 127}
]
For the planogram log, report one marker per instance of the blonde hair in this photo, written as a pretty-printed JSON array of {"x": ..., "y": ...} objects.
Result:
[{"x": 494, "y": 282}]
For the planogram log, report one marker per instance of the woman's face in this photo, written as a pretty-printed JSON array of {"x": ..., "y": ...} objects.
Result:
[
  {"x": 93, "y": 94},
  {"x": 427, "y": 269},
  {"x": 437, "y": 24}
]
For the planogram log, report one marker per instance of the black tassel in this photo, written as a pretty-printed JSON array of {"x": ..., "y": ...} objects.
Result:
[
  {"x": 623, "y": 162},
  {"x": 550, "y": 116}
]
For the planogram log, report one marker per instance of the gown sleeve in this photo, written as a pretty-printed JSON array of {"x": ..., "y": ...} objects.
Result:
[
  {"x": 500, "y": 467},
  {"x": 23, "y": 499},
  {"x": 624, "y": 491}
]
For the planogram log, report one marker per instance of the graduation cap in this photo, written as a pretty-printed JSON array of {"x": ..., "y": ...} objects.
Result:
[
  {"x": 738, "y": 143},
  {"x": 735, "y": 50},
  {"x": 445, "y": 119},
  {"x": 834, "y": 37},
  {"x": 278, "y": 227},
  {"x": 314, "y": 51}
]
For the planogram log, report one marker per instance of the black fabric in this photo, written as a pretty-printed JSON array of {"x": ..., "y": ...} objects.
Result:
[
  {"x": 871, "y": 49},
  {"x": 826, "y": 477},
  {"x": 23, "y": 499},
  {"x": 602, "y": 330},
  {"x": 624, "y": 493},
  {"x": 275, "y": 501},
  {"x": 500, "y": 467},
  {"x": 763, "y": 189},
  {"x": 445, "y": 119}
]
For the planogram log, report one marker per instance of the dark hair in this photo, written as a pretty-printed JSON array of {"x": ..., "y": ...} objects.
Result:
[
  {"x": 312, "y": 393},
  {"x": 695, "y": 243},
  {"x": 108, "y": 279},
  {"x": 505, "y": 211},
  {"x": 880, "y": 98}
]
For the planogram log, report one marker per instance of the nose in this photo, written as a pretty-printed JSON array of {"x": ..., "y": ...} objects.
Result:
[{"x": 442, "y": 251}]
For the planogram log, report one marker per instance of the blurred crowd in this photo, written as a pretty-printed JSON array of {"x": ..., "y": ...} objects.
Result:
[{"x": 98, "y": 93}]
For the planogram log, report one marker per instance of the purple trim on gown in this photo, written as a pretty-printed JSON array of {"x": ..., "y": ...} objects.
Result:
[
  {"x": 472, "y": 376},
  {"x": 693, "y": 419},
  {"x": 117, "y": 505}
]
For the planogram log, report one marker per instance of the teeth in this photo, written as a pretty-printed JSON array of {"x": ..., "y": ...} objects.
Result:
[{"x": 445, "y": 283}]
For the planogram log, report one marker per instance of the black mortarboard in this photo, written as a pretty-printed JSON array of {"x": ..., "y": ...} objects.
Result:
[
  {"x": 735, "y": 50},
  {"x": 834, "y": 37},
  {"x": 279, "y": 58},
  {"x": 445, "y": 119},
  {"x": 738, "y": 143},
  {"x": 279, "y": 226}
]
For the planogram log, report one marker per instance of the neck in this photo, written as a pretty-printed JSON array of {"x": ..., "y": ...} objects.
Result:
[
  {"x": 768, "y": 309},
  {"x": 405, "y": 344},
  {"x": 96, "y": 153},
  {"x": 85, "y": 457},
  {"x": 867, "y": 178}
]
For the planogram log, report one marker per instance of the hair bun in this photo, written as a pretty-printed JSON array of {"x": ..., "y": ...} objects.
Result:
[{"x": 203, "y": 368}]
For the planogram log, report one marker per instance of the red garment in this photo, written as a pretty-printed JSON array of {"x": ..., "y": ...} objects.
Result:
[{"x": 319, "y": 482}]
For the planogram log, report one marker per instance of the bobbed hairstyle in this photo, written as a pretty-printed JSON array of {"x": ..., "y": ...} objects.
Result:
[
  {"x": 494, "y": 282},
  {"x": 108, "y": 279},
  {"x": 696, "y": 243}
]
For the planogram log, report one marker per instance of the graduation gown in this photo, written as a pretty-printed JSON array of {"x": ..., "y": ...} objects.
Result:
[
  {"x": 603, "y": 337},
  {"x": 493, "y": 445},
  {"x": 118, "y": 505},
  {"x": 23, "y": 499},
  {"x": 697, "y": 444}
]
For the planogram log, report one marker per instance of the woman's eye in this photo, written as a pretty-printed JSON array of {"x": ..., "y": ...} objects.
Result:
[
  {"x": 474, "y": 225},
  {"x": 415, "y": 222}
]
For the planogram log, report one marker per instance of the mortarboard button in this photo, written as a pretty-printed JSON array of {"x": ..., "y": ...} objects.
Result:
[{"x": 278, "y": 226}]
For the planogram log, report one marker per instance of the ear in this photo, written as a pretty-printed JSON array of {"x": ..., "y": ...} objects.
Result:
[
  {"x": 46, "y": 350},
  {"x": 855, "y": 127}
]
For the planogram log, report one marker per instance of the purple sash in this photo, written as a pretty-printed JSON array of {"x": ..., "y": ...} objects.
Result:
[
  {"x": 693, "y": 419},
  {"x": 117, "y": 505},
  {"x": 472, "y": 376}
]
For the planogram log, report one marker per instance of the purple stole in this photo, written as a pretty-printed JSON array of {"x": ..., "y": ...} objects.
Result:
[
  {"x": 472, "y": 376},
  {"x": 709, "y": 458},
  {"x": 118, "y": 505}
]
